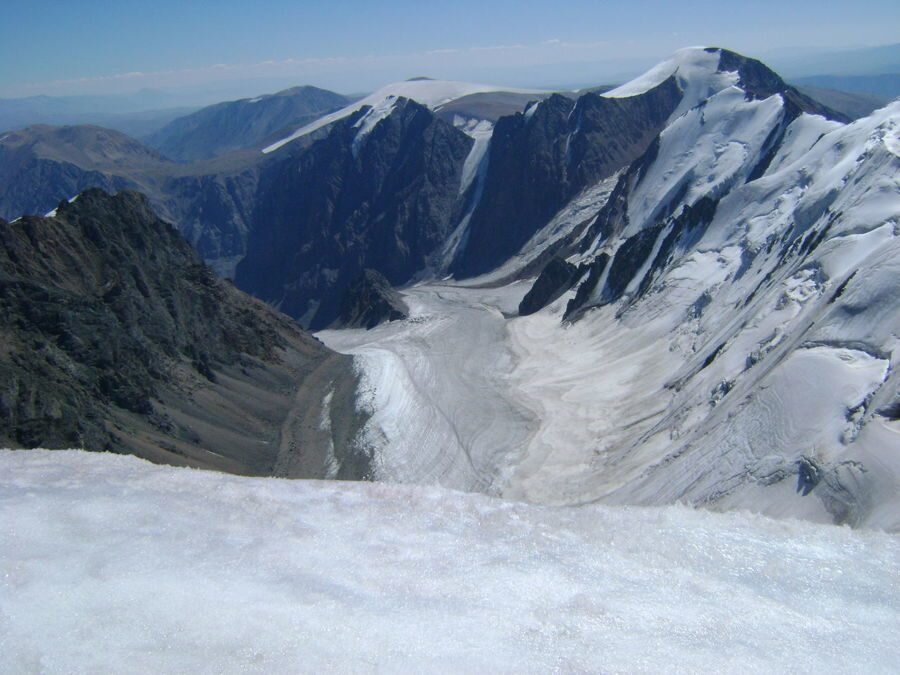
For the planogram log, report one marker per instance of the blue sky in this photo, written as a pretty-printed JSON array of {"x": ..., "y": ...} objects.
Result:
[{"x": 92, "y": 46}]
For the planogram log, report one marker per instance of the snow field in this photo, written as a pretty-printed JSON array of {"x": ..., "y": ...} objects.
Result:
[
  {"x": 110, "y": 564},
  {"x": 436, "y": 389}
]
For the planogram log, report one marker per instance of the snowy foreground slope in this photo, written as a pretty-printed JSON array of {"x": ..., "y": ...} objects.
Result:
[
  {"x": 731, "y": 339},
  {"x": 110, "y": 564}
]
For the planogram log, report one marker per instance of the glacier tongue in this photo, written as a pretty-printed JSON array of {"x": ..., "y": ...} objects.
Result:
[{"x": 111, "y": 564}]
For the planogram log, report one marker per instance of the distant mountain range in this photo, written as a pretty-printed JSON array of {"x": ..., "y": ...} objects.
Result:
[
  {"x": 886, "y": 86},
  {"x": 235, "y": 125}
]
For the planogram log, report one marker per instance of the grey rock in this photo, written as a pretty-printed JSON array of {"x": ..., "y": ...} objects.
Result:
[
  {"x": 369, "y": 301},
  {"x": 554, "y": 280}
]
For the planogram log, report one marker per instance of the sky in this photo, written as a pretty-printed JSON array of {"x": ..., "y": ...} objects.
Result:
[{"x": 103, "y": 47}]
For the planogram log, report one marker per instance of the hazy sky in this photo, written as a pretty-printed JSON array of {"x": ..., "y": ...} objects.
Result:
[{"x": 99, "y": 46}]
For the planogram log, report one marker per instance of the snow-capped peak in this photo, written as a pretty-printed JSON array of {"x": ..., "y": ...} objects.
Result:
[
  {"x": 689, "y": 62},
  {"x": 430, "y": 93},
  {"x": 698, "y": 73},
  {"x": 369, "y": 120}
]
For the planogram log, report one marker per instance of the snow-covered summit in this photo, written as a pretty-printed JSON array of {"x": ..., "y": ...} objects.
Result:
[
  {"x": 702, "y": 72},
  {"x": 431, "y": 93},
  {"x": 691, "y": 64}
]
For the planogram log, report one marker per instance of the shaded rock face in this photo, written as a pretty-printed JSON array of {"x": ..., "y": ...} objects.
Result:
[
  {"x": 232, "y": 125},
  {"x": 369, "y": 301},
  {"x": 540, "y": 159},
  {"x": 214, "y": 213},
  {"x": 594, "y": 271},
  {"x": 632, "y": 257},
  {"x": 554, "y": 280},
  {"x": 116, "y": 337},
  {"x": 384, "y": 200},
  {"x": 759, "y": 81}
]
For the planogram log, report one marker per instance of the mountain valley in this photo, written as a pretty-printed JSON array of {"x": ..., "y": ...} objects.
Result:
[
  {"x": 680, "y": 289},
  {"x": 449, "y": 338}
]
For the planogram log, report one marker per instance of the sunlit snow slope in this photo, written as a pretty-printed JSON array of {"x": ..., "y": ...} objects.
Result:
[
  {"x": 110, "y": 564},
  {"x": 430, "y": 93},
  {"x": 731, "y": 339}
]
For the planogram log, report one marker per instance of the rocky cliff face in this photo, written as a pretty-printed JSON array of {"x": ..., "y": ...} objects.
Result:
[
  {"x": 369, "y": 301},
  {"x": 116, "y": 337},
  {"x": 556, "y": 278},
  {"x": 379, "y": 192},
  {"x": 538, "y": 160}
]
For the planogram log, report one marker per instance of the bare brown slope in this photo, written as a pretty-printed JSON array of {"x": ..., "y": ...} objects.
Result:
[{"x": 116, "y": 337}]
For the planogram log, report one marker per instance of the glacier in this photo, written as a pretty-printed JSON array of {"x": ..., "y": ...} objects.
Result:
[
  {"x": 112, "y": 564},
  {"x": 737, "y": 351}
]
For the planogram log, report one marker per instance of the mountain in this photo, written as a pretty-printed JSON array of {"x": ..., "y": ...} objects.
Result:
[
  {"x": 432, "y": 94},
  {"x": 883, "y": 85},
  {"x": 210, "y": 201},
  {"x": 754, "y": 247},
  {"x": 41, "y": 165},
  {"x": 214, "y": 202},
  {"x": 538, "y": 161},
  {"x": 234, "y": 125},
  {"x": 116, "y": 337},
  {"x": 714, "y": 323},
  {"x": 378, "y": 192},
  {"x": 852, "y": 104}
]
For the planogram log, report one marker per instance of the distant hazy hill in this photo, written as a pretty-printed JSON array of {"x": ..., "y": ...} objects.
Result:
[
  {"x": 853, "y": 104},
  {"x": 232, "y": 125},
  {"x": 886, "y": 86},
  {"x": 136, "y": 114},
  {"x": 42, "y": 164}
]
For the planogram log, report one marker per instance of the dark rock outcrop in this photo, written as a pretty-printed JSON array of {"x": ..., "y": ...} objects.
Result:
[
  {"x": 760, "y": 81},
  {"x": 540, "y": 159},
  {"x": 116, "y": 337},
  {"x": 384, "y": 201},
  {"x": 554, "y": 280},
  {"x": 369, "y": 301}
]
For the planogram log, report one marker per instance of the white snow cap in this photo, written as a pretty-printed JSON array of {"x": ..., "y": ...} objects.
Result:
[
  {"x": 690, "y": 63},
  {"x": 430, "y": 93},
  {"x": 112, "y": 564}
]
